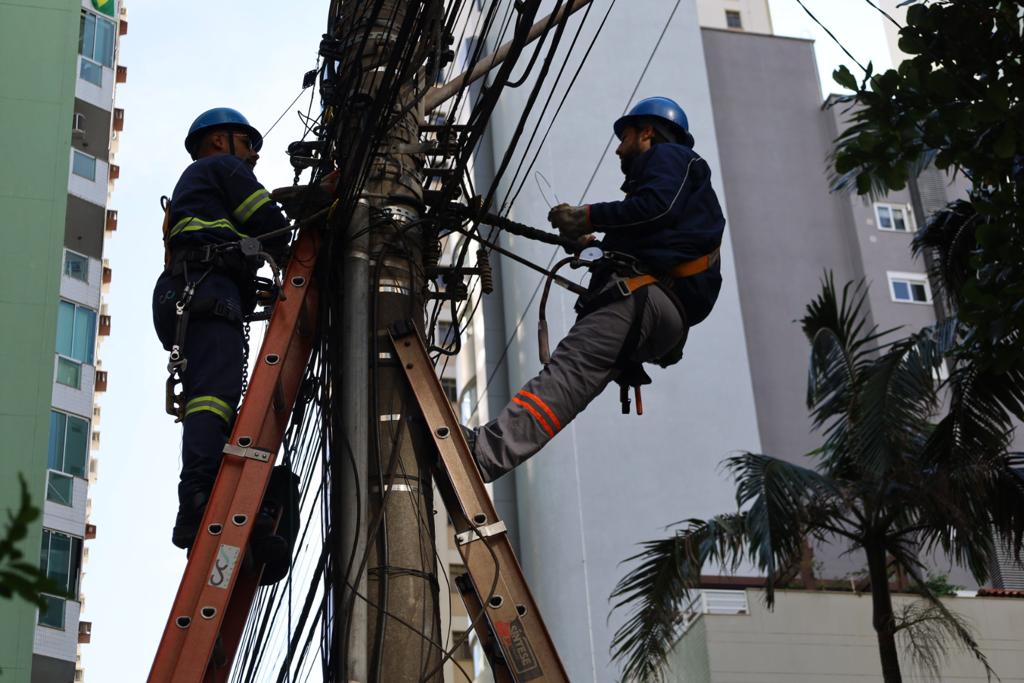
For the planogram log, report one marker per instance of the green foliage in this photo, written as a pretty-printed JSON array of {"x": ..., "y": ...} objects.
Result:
[
  {"x": 957, "y": 102},
  {"x": 20, "y": 577},
  {"x": 888, "y": 481}
]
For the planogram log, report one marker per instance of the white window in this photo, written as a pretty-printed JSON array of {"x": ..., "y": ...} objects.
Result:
[
  {"x": 911, "y": 288},
  {"x": 894, "y": 217},
  {"x": 61, "y": 562},
  {"x": 84, "y": 165},
  {"x": 69, "y": 444},
  {"x": 96, "y": 45},
  {"x": 76, "y": 266},
  {"x": 76, "y": 342}
]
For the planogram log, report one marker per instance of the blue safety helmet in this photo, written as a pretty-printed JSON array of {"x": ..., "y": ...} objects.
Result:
[
  {"x": 220, "y": 118},
  {"x": 672, "y": 119}
]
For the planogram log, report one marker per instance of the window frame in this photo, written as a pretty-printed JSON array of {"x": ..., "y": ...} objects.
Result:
[
  {"x": 50, "y": 475},
  {"x": 60, "y": 461},
  {"x": 76, "y": 154},
  {"x": 88, "y": 358},
  {"x": 908, "y": 217},
  {"x": 64, "y": 269},
  {"x": 910, "y": 279},
  {"x": 730, "y": 14}
]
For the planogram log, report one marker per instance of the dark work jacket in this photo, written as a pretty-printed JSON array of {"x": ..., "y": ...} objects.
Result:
[
  {"x": 670, "y": 215},
  {"x": 218, "y": 200}
]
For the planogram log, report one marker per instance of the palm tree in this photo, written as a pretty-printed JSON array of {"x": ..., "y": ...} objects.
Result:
[{"x": 887, "y": 481}]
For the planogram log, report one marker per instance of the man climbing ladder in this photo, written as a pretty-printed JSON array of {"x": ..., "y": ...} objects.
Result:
[
  {"x": 640, "y": 305},
  {"x": 200, "y": 300}
]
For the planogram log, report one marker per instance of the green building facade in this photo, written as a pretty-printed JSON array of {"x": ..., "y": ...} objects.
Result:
[{"x": 58, "y": 73}]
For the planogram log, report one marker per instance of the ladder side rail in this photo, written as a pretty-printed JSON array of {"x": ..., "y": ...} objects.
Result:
[
  {"x": 217, "y": 559},
  {"x": 293, "y": 371},
  {"x": 509, "y": 608}
]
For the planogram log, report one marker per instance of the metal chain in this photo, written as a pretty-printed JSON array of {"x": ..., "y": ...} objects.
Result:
[{"x": 245, "y": 357}]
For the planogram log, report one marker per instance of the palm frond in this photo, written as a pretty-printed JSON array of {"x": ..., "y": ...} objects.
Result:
[
  {"x": 897, "y": 398},
  {"x": 950, "y": 235},
  {"x": 781, "y": 497},
  {"x": 938, "y": 621},
  {"x": 925, "y": 633},
  {"x": 655, "y": 590}
]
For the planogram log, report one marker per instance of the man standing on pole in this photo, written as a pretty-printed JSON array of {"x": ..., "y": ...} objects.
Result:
[{"x": 664, "y": 278}]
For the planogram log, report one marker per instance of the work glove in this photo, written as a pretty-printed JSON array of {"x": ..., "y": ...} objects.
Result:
[{"x": 572, "y": 222}]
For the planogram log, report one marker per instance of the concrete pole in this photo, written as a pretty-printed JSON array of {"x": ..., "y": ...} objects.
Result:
[
  {"x": 349, "y": 508},
  {"x": 393, "y": 635}
]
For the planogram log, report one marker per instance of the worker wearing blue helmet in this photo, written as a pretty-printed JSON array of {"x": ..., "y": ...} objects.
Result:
[
  {"x": 659, "y": 277},
  {"x": 206, "y": 291}
]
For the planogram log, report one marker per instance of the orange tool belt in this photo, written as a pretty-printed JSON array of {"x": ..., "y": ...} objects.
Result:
[{"x": 686, "y": 269}]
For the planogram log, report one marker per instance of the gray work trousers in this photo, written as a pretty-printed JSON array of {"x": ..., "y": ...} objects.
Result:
[{"x": 580, "y": 368}]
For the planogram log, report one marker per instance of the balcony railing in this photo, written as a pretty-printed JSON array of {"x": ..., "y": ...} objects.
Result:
[{"x": 713, "y": 602}]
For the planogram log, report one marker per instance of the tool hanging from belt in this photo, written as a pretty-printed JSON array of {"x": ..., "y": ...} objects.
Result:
[
  {"x": 633, "y": 284},
  {"x": 210, "y": 257}
]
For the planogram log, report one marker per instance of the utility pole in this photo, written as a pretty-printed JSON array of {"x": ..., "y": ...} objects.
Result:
[
  {"x": 385, "y": 600},
  {"x": 388, "y": 599}
]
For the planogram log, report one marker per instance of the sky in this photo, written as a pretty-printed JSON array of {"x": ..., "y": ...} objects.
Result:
[{"x": 184, "y": 57}]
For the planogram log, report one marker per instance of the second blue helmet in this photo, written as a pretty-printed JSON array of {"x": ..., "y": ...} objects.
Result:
[
  {"x": 666, "y": 110},
  {"x": 220, "y": 117}
]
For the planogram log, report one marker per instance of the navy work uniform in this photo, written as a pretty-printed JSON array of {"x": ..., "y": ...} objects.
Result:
[
  {"x": 672, "y": 224},
  {"x": 216, "y": 201}
]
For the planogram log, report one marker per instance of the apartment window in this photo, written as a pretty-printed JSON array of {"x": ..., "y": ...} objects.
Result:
[
  {"x": 467, "y": 404},
  {"x": 60, "y": 559},
  {"x": 52, "y": 612},
  {"x": 448, "y": 384},
  {"x": 909, "y": 288},
  {"x": 893, "y": 217},
  {"x": 69, "y": 444},
  {"x": 732, "y": 19},
  {"x": 83, "y": 165},
  {"x": 464, "y": 650},
  {"x": 96, "y": 45},
  {"x": 60, "y": 488},
  {"x": 76, "y": 266},
  {"x": 76, "y": 331}
]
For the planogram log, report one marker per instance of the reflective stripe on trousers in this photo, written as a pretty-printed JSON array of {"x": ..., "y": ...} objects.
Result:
[{"x": 580, "y": 368}]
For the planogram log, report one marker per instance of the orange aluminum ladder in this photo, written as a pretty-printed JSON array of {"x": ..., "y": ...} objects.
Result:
[
  {"x": 217, "y": 589},
  {"x": 503, "y": 611}
]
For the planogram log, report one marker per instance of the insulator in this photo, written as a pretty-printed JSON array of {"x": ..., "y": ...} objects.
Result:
[
  {"x": 483, "y": 263},
  {"x": 431, "y": 252}
]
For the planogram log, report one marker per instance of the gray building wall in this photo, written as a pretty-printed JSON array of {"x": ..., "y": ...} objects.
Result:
[
  {"x": 609, "y": 482},
  {"x": 786, "y": 227},
  {"x": 816, "y": 636}
]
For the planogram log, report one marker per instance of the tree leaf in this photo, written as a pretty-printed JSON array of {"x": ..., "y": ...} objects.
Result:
[{"x": 843, "y": 77}]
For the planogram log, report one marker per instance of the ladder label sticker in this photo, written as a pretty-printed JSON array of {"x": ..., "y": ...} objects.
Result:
[
  {"x": 518, "y": 650},
  {"x": 224, "y": 567}
]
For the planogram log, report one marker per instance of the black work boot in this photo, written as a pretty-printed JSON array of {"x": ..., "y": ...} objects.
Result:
[
  {"x": 275, "y": 554},
  {"x": 191, "y": 506}
]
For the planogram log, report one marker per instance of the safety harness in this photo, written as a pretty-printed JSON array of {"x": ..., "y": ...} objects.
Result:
[
  {"x": 238, "y": 259},
  {"x": 634, "y": 284}
]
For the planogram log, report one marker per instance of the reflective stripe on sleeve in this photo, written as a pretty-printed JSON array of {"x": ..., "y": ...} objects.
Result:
[
  {"x": 250, "y": 205},
  {"x": 543, "y": 406},
  {"x": 536, "y": 415},
  {"x": 217, "y": 406}
]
